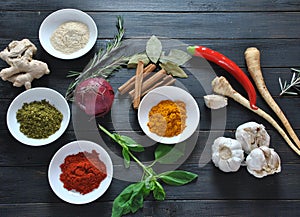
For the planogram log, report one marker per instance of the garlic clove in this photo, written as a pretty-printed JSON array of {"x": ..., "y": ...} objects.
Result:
[
  {"x": 214, "y": 101},
  {"x": 263, "y": 161},
  {"x": 252, "y": 135}
]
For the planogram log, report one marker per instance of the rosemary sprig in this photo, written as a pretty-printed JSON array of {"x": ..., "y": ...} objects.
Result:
[
  {"x": 96, "y": 66},
  {"x": 287, "y": 88}
]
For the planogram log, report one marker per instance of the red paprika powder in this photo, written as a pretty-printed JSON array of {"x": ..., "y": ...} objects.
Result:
[{"x": 83, "y": 172}]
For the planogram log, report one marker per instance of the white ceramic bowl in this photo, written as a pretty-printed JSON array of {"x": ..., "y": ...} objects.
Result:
[
  {"x": 37, "y": 94},
  {"x": 54, "y": 172},
  {"x": 169, "y": 93},
  {"x": 54, "y": 20}
]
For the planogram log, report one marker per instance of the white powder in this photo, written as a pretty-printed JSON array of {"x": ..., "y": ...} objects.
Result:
[{"x": 70, "y": 37}]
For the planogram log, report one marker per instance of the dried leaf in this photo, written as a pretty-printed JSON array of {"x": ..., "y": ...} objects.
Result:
[
  {"x": 173, "y": 69},
  {"x": 133, "y": 61},
  {"x": 154, "y": 49},
  {"x": 176, "y": 56}
]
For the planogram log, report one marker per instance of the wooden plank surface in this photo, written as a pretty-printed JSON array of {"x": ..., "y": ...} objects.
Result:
[
  {"x": 188, "y": 25},
  {"x": 156, "y": 5},
  {"x": 226, "y": 26}
]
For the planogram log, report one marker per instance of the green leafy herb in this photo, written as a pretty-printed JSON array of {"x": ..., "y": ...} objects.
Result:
[
  {"x": 128, "y": 142},
  {"x": 177, "y": 177},
  {"x": 176, "y": 56},
  {"x": 96, "y": 66},
  {"x": 158, "y": 191},
  {"x": 167, "y": 154},
  {"x": 133, "y": 61},
  {"x": 170, "y": 63},
  {"x": 126, "y": 157},
  {"x": 132, "y": 197},
  {"x": 287, "y": 88},
  {"x": 173, "y": 69},
  {"x": 154, "y": 49}
]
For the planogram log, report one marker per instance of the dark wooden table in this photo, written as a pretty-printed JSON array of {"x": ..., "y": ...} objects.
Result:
[{"x": 226, "y": 26}]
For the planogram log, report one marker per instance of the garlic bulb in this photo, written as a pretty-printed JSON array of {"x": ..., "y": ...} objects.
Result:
[
  {"x": 252, "y": 135},
  {"x": 263, "y": 161},
  {"x": 215, "y": 101},
  {"x": 227, "y": 154}
]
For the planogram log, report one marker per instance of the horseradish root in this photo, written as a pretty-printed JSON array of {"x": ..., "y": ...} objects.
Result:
[
  {"x": 221, "y": 86},
  {"x": 252, "y": 56},
  {"x": 23, "y": 69}
]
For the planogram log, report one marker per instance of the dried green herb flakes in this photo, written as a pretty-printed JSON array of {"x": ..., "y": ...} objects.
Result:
[{"x": 39, "y": 119}]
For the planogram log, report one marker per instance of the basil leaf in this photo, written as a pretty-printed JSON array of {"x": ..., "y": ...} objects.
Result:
[
  {"x": 127, "y": 139},
  {"x": 130, "y": 199},
  {"x": 133, "y": 61},
  {"x": 173, "y": 69},
  {"x": 126, "y": 157},
  {"x": 153, "y": 49},
  {"x": 131, "y": 144},
  {"x": 159, "y": 192},
  {"x": 176, "y": 56},
  {"x": 167, "y": 154},
  {"x": 135, "y": 147},
  {"x": 162, "y": 150},
  {"x": 177, "y": 177},
  {"x": 118, "y": 138}
]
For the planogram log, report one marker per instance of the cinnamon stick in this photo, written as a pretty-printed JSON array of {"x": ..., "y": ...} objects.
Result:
[
  {"x": 128, "y": 85},
  {"x": 167, "y": 81},
  {"x": 150, "y": 81},
  {"x": 138, "y": 84}
]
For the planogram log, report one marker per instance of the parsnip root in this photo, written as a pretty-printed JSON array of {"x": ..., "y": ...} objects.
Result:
[
  {"x": 252, "y": 57},
  {"x": 221, "y": 86}
]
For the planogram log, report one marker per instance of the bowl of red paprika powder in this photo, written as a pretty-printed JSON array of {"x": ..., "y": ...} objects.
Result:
[{"x": 80, "y": 172}]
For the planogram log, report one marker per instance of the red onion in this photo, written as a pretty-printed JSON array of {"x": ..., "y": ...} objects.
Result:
[{"x": 95, "y": 96}]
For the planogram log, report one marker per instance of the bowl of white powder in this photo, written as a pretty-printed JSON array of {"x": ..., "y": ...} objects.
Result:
[{"x": 68, "y": 33}]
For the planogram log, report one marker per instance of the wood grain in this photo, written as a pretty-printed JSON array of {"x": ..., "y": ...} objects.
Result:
[{"x": 229, "y": 27}]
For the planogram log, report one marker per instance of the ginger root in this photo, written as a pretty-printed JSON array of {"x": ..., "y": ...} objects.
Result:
[{"x": 23, "y": 69}]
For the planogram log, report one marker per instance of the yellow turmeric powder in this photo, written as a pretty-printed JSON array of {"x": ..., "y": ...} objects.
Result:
[{"x": 167, "y": 118}]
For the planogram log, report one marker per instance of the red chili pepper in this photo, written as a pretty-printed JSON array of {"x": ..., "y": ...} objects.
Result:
[{"x": 229, "y": 66}]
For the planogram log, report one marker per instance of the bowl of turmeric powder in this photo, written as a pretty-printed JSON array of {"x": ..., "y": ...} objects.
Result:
[
  {"x": 68, "y": 33},
  {"x": 168, "y": 115}
]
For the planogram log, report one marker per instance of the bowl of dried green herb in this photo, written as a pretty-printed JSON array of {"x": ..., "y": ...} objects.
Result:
[{"x": 38, "y": 116}]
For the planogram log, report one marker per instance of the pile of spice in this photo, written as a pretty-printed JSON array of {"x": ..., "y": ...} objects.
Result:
[
  {"x": 39, "y": 119},
  {"x": 83, "y": 172},
  {"x": 70, "y": 37},
  {"x": 167, "y": 118}
]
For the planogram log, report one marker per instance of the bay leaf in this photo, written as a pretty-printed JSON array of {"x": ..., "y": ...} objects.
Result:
[
  {"x": 173, "y": 69},
  {"x": 133, "y": 61},
  {"x": 153, "y": 49},
  {"x": 176, "y": 56}
]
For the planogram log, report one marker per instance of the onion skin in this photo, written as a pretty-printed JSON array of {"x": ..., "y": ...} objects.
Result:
[{"x": 94, "y": 96}]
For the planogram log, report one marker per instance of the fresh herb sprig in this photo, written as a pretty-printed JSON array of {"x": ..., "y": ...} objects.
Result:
[
  {"x": 97, "y": 66},
  {"x": 292, "y": 88},
  {"x": 132, "y": 197}
]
